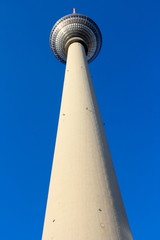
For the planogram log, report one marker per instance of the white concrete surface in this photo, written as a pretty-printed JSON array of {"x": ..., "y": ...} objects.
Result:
[{"x": 84, "y": 201}]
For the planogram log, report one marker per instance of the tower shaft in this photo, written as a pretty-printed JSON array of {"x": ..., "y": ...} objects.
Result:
[{"x": 84, "y": 201}]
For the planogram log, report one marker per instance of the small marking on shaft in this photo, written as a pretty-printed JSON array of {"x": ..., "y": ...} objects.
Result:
[
  {"x": 89, "y": 110},
  {"x": 102, "y": 225}
]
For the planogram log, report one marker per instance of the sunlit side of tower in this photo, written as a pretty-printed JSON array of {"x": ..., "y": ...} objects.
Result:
[{"x": 84, "y": 200}]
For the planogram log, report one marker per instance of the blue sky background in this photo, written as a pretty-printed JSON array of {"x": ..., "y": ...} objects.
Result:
[{"x": 126, "y": 76}]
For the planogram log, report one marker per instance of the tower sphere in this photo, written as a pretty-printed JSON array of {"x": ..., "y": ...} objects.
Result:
[{"x": 75, "y": 28}]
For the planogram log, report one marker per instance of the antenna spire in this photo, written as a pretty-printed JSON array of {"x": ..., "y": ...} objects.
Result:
[{"x": 74, "y": 10}]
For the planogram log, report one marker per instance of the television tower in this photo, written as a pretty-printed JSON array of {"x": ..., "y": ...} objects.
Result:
[{"x": 84, "y": 200}]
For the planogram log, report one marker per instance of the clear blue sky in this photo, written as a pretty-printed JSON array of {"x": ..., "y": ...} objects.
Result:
[{"x": 126, "y": 76}]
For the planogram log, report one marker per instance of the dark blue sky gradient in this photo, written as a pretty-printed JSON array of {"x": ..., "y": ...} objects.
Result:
[{"x": 126, "y": 76}]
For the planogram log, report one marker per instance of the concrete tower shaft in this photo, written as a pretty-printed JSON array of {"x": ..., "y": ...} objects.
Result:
[{"x": 84, "y": 200}]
